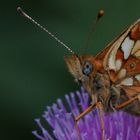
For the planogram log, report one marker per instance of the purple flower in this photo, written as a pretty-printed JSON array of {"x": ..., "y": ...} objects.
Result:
[{"x": 118, "y": 125}]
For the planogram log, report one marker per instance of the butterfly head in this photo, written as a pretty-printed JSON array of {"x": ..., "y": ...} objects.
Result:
[
  {"x": 78, "y": 67},
  {"x": 83, "y": 68}
]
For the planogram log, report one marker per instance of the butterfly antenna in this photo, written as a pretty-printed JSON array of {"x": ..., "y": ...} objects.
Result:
[
  {"x": 99, "y": 15},
  {"x": 44, "y": 29}
]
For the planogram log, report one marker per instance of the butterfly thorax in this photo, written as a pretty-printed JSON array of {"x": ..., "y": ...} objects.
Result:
[
  {"x": 104, "y": 91},
  {"x": 100, "y": 85}
]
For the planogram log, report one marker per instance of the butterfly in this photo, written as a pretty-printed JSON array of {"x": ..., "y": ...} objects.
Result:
[{"x": 112, "y": 77}]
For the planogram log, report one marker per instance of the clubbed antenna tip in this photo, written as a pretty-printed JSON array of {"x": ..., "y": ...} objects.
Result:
[{"x": 100, "y": 14}]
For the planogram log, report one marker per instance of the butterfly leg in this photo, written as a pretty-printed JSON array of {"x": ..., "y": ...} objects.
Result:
[
  {"x": 88, "y": 110},
  {"x": 78, "y": 131},
  {"x": 126, "y": 103},
  {"x": 100, "y": 106}
]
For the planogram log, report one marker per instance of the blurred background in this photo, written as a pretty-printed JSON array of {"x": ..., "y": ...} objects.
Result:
[{"x": 33, "y": 73}]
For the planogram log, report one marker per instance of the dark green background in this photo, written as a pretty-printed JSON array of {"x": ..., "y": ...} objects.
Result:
[{"x": 32, "y": 71}]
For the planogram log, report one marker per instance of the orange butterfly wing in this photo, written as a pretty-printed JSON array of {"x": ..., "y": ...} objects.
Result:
[{"x": 122, "y": 59}]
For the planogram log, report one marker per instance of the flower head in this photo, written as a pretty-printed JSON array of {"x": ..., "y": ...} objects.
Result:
[{"x": 118, "y": 125}]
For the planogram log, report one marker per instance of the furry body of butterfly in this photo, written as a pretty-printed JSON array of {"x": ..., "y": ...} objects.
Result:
[{"x": 113, "y": 76}]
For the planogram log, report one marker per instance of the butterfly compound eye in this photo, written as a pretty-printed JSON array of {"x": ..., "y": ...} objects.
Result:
[{"x": 88, "y": 68}]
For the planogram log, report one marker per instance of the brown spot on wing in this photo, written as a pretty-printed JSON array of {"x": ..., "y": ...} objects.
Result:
[
  {"x": 135, "y": 32},
  {"x": 120, "y": 55},
  {"x": 132, "y": 66}
]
